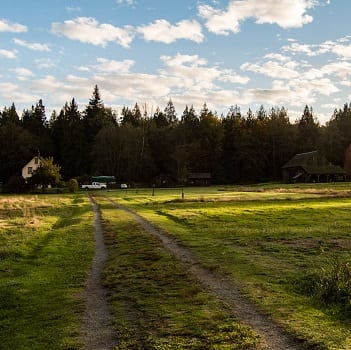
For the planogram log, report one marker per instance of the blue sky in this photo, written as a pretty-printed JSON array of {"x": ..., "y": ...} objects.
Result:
[{"x": 221, "y": 52}]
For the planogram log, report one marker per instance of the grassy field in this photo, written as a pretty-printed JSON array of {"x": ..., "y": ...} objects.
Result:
[
  {"x": 278, "y": 242},
  {"x": 46, "y": 248},
  {"x": 282, "y": 243}
]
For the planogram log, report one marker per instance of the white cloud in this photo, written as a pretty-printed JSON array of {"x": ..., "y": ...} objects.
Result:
[
  {"x": 48, "y": 84},
  {"x": 162, "y": 31},
  {"x": 13, "y": 92},
  {"x": 127, "y": 2},
  {"x": 111, "y": 66},
  {"x": 22, "y": 73},
  {"x": 187, "y": 79},
  {"x": 194, "y": 73},
  {"x": 273, "y": 69},
  {"x": 272, "y": 96},
  {"x": 341, "y": 69},
  {"x": 300, "y": 49},
  {"x": 83, "y": 68},
  {"x": 134, "y": 87},
  {"x": 295, "y": 82},
  {"x": 8, "y": 54},
  {"x": 340, "y": 47},
  {"x": 278, "y": 57},
  {"x": 346, "y": 83},
  {"x": 108, "y": 66},
  {"x": 330, "y": 105},
  {"x": 284, "y": 13},
  {"x": 229, "y": 75},
  {"x": 6, "y": 26},
  {"x": 44, "y": 63},
  {"x": 343, "y": 51},
  {"x": 32, "y": 46},
  {"x": 89, "y": 30}
]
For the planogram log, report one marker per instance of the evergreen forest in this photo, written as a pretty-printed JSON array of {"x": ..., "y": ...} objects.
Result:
[{"x": 162, "y": 148}]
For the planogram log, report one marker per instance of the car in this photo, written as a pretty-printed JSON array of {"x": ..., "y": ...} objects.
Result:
[
  {"x": 95, "y": 186},
  {"x": 124, "y": 186}
]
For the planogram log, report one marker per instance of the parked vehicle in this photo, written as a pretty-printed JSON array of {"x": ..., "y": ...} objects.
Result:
[{"x": 95, "y": 186}]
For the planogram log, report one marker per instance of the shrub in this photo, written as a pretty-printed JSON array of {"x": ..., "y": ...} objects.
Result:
[
  {"x": 330, "y": 286},
  {"x": 72, "y": 185},
  {"x": 334, "y": 285},
  {"x": 15, "y": 184}
]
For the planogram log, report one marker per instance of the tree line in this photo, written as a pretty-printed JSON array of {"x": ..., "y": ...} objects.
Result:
[{"x": 163, "y": 148}]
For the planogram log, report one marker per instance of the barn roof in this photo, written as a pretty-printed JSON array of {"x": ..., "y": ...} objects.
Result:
[
  {"x": 313, "y": 163},
  {"x": 302, "y": 159}
]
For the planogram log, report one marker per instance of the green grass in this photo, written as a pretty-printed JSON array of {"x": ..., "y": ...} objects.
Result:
[
  {"x": 46, "y": 248},
  {"x": 272, "y": 239},
  {"x": 275, "y": 240},
  {"x": 156, "y": 304}
]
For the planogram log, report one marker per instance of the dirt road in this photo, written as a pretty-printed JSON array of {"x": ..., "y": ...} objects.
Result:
[
  {"x": 97, "y": 331},
  {"x": 273, "y": 336}
]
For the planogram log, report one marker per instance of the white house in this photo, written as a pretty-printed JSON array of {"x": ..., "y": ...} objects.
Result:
[{"x": 31, "y": 166}]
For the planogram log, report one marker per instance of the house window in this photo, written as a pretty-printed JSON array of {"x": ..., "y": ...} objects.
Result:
[
  {"x": 36, "y": 160},
  {"x": 30, "y": 170}
]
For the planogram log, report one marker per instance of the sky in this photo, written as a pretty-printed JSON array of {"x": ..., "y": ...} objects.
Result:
[{"x": 248, "y": 53}]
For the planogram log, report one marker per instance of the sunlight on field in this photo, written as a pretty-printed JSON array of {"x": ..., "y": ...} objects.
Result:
[{"x": 271, "y": 238}]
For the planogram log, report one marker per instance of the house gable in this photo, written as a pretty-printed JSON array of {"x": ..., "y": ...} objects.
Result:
[{"x": 31, "y": 166}]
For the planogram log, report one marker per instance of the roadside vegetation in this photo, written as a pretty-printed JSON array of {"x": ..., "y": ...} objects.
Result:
[
  {"x": 288, "y": 246},
  {"x": 46, "y": 248}
]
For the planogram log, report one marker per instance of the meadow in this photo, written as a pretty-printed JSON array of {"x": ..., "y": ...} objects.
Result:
[
  {"x": 46, "y": 248},
  {"x": 287, "y": 246}
]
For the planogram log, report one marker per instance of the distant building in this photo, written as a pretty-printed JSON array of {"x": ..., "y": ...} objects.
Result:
[
  {"x": 311, "y": 167},
  {"x": 31, "y": 166},
  {"x": 199, "y": 179}
]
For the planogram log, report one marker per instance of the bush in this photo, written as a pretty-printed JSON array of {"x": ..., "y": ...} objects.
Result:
[
  {"x": 330, "y": 286},
  {"x": 15, "y": 184},
  {"x": 334, "y": 285},
  {"x": 72, "y": 185}
]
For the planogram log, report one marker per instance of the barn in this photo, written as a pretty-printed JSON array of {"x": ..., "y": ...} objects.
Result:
[
  {"x": 199, "y": 179},
  {"x": 311, "y": 167}
]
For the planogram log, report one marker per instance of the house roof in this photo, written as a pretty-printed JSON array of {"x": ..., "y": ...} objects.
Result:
[
  {"x": 39, "y": 157},
  {"x": 313, "y": 163},
  {"x": 302, "y": 159}
]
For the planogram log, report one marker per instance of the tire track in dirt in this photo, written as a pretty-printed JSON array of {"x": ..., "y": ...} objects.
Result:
[
  {"x": 97, "y": 332},
  {"x": 272, "y": 335}
]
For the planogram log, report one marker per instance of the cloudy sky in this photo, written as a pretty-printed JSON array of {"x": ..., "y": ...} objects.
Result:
[{"x": 223, "y": 52}]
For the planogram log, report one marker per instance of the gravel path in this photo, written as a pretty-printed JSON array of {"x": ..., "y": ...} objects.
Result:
[
  {"x": 97, "y": 332},
  {"x": 273, "y": 337}
]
